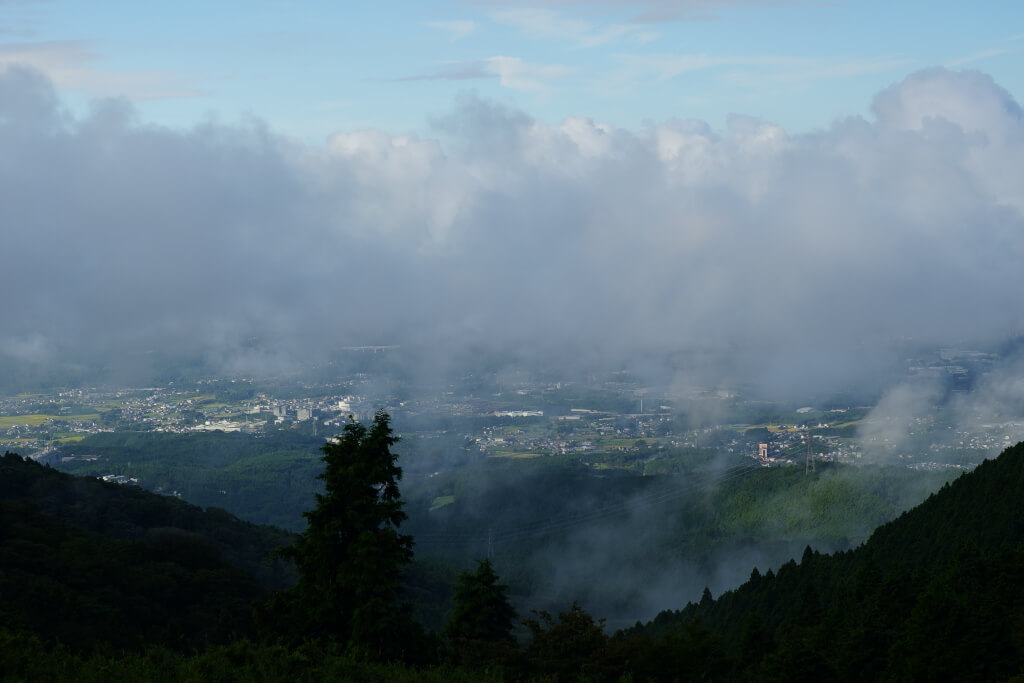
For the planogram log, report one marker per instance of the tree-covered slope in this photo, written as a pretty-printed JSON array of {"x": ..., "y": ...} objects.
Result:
[
  {"x": 267, "y": 479},
  {"x": 88, "y": 563},
  {"x": 627, "y": 546},
  {"x": 129, "y": 513},
  {"x": 936, "y": 594}
]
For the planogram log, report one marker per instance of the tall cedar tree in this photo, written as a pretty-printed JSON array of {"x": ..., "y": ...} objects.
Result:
[{"x": 351, "y": 555}]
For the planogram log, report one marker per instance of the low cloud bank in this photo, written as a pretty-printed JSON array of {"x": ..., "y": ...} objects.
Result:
[{"x": 790, "y": 261}]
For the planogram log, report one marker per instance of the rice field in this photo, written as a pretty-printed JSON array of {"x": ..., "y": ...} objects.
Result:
[
  {"x": 38, "y": 419},
  {"x": 441, "y": 501}
]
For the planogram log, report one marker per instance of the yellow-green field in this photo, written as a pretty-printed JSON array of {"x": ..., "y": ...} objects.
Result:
[
  {"x": 619, "y": 443},
  {"x": 514, "y": 454},
  {"x": 35, "y": 420},
  {"x": 772, "y": 428},
  {"x": 441, "y": 501},
  {"x": 653, "y": 441}
]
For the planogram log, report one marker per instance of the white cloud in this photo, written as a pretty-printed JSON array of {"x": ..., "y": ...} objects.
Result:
[
  {"x": 516, "y": 74},
  {"x": 456, "y": 30},
  {"x": 754, "y": 71},
  {"x": 664, "y": 67},
  {"x": 545, "y": 23},
  {"x": 456, "y": 71},
  {"x": 782, "y": 257},
  {"x": 511, "y": 72},
  {"x": 976, "y": 57},
  {"x": 75, "y": 66},
  {"x": 31, "y": 349},
  {"x": 645, "y": 11}
]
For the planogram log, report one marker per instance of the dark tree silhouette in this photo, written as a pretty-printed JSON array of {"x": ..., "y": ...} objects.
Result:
[
  {"x": 351, "y": 555},
  {"x": 571, "y": 647},
  {"x": 480, "y": 628}
]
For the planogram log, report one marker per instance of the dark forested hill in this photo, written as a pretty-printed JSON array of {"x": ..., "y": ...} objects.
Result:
[
  {"x": 937, "y": 594},
  {"x": 88, "y": 563},
  {"x": 627, "y": 546},
  {"x": 934, "y": 595},
  {"x": 129, "y": 513},
  {"x": 267, "y": 480},
  {"x": 624, "y": 545}
]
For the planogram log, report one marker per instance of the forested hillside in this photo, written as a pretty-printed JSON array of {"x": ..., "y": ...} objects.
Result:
[
  {"x": 935, "y": 594},
  {"x": 627, "y": 546},
  {"x": 266, "y": 480},
  {"x": 624, "y": 545},
  {"x": 87, "y": 563},
  {"x": 97, "y": 577}
]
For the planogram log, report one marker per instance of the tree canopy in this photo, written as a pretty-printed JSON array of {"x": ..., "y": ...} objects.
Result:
[
  {"x": 482, "y": 610},
  {"x": 351, "y": 555}
]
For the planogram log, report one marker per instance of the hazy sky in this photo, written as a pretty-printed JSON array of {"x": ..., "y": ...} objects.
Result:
[{"x": 788, "y": 185}]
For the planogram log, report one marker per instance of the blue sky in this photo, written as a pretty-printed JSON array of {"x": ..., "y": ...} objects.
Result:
[{"x": 312, "y": 68}]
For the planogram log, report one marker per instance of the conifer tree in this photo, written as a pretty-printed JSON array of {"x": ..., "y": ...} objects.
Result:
[
  {"x": 351, "y": 554},
  {"x": 482, "y": 610},
  {"x": 479, "y": 632}
]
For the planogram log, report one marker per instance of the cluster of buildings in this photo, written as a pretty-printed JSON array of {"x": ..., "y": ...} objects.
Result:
[{"x": 525, "y": 418}]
